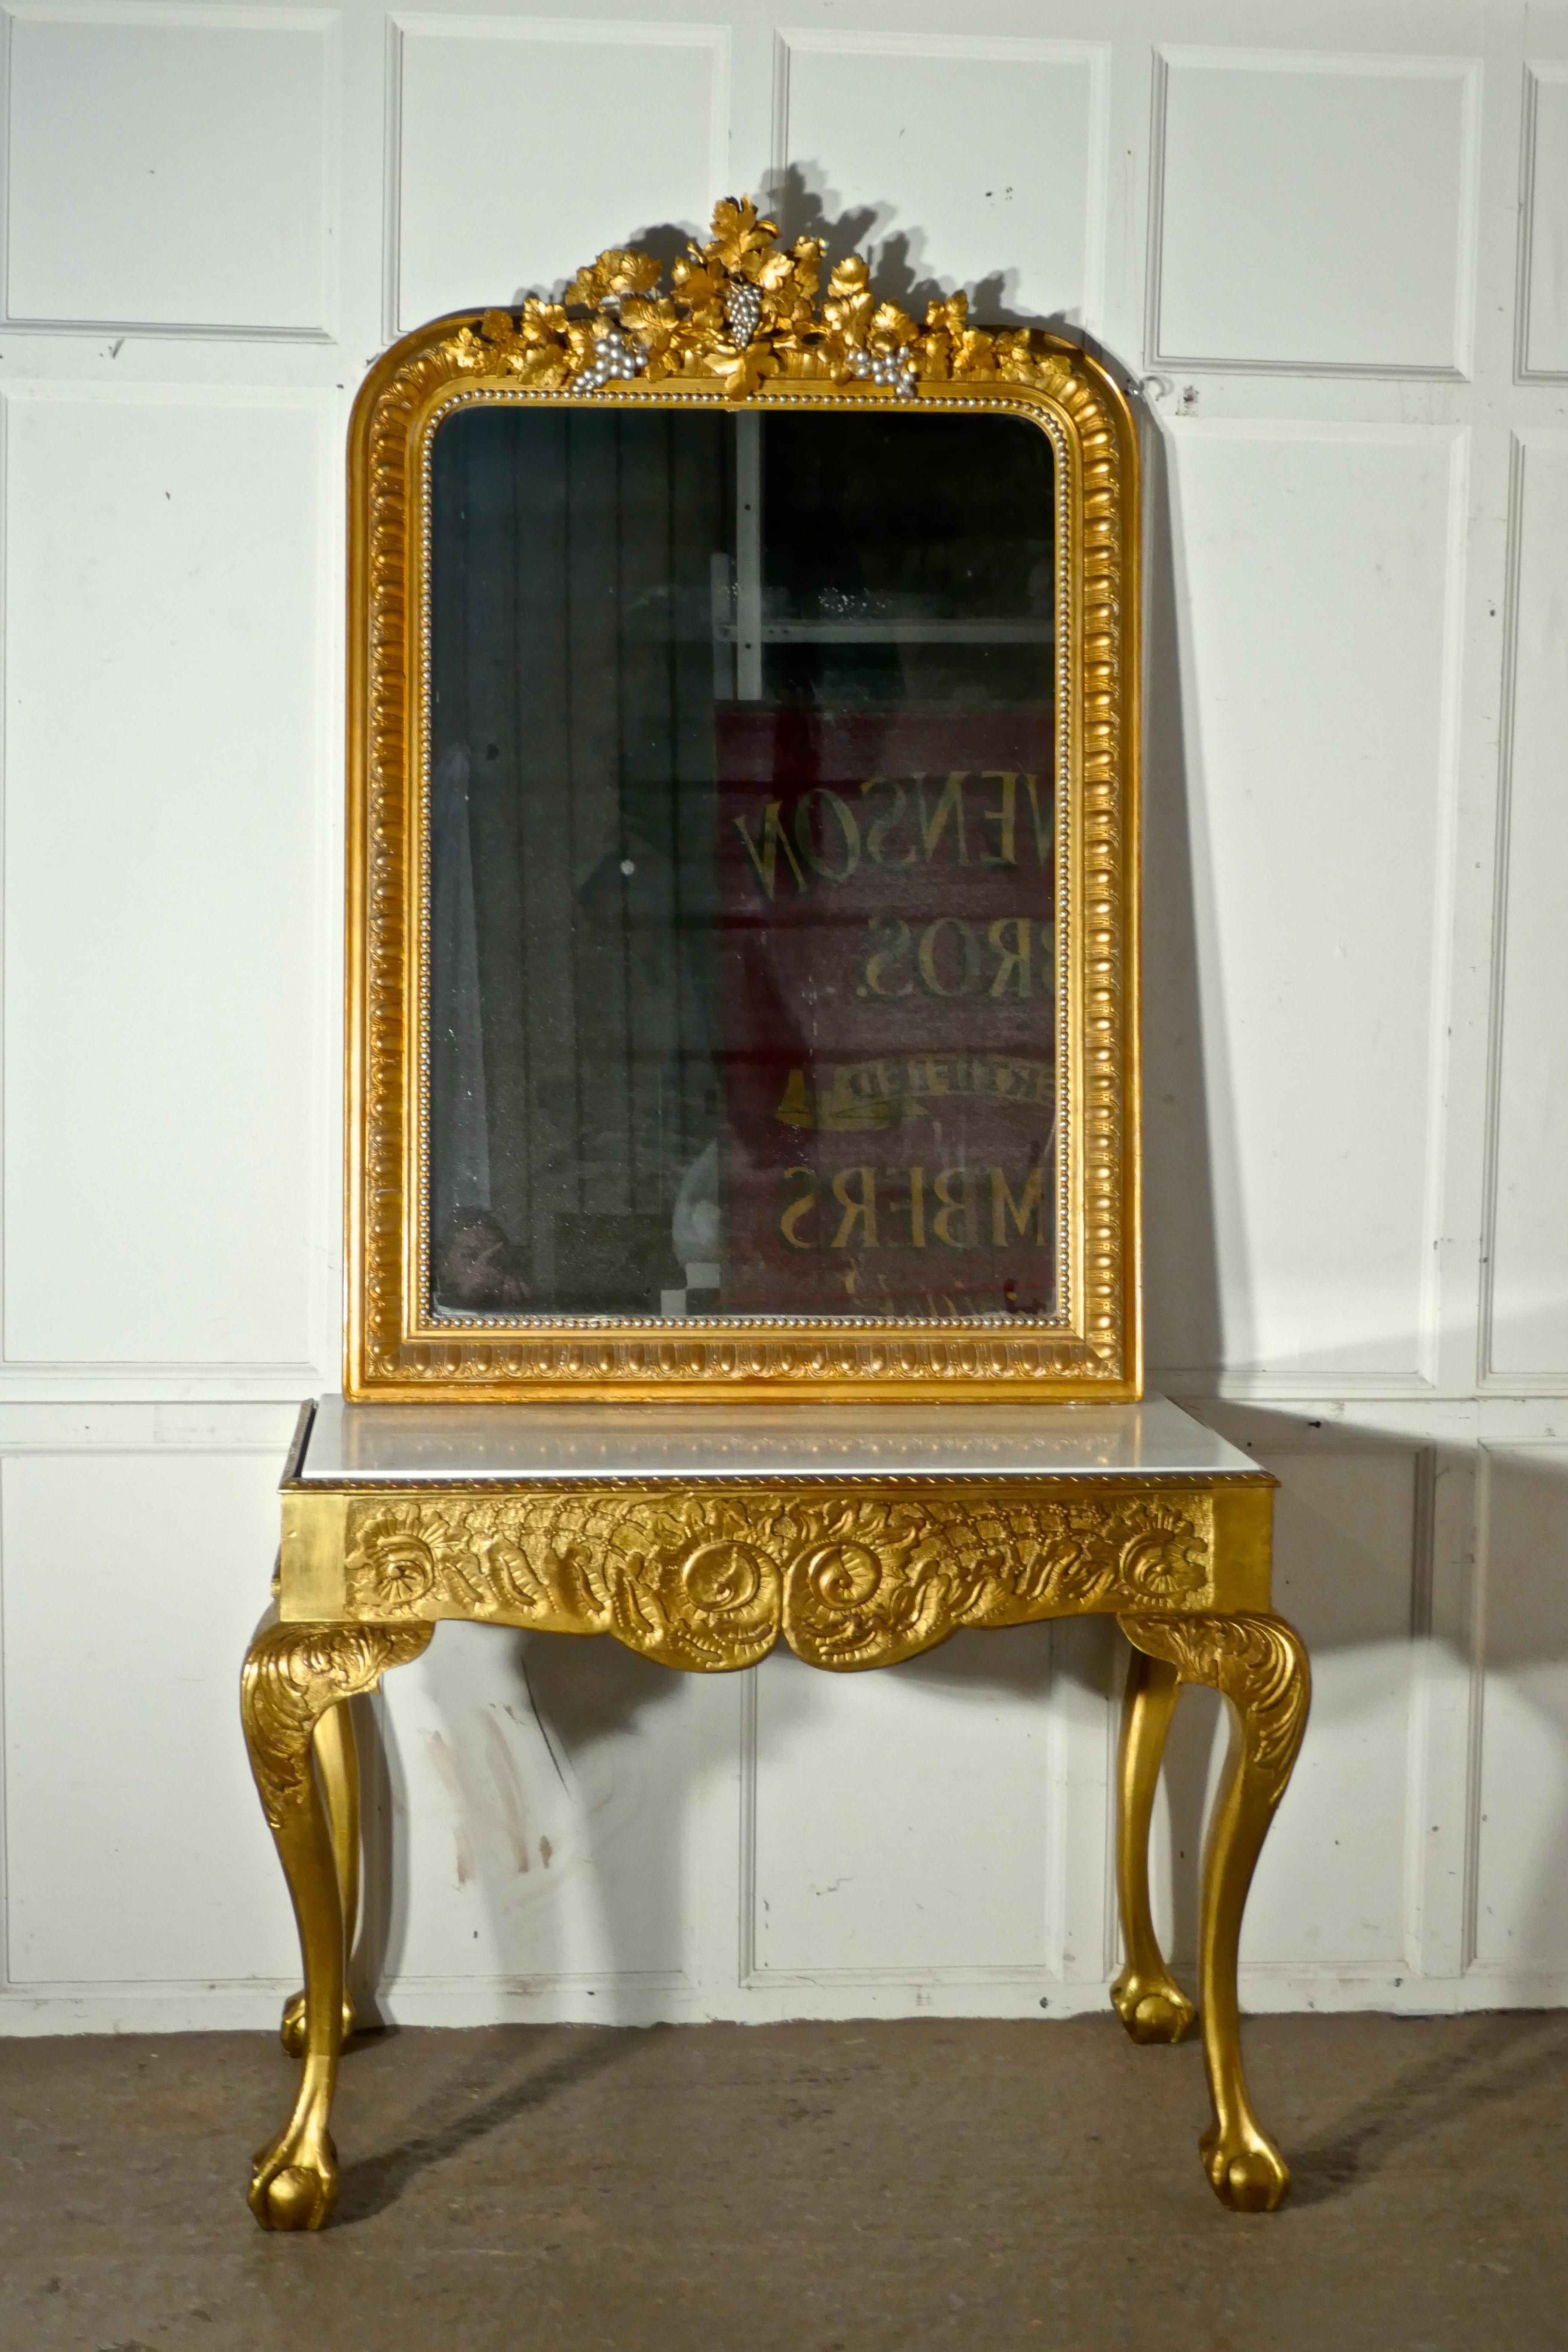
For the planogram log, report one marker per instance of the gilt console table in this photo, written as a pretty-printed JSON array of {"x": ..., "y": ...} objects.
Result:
[
  {"x": 743, "y": 1169},
  {"x": 864, "y": 1533}
]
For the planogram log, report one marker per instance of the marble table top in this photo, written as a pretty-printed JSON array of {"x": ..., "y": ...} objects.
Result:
[{"x": 449, "y": 1445}]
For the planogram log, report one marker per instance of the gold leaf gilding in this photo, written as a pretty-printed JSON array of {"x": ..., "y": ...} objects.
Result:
[
  {"x": 693, "y": 330},
  {"x": 708, "y": 1579},
  {"x": 740, "y": 318}
]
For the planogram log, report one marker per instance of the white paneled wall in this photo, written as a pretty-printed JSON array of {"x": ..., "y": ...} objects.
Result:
[{"x": 1329, "y": 239}]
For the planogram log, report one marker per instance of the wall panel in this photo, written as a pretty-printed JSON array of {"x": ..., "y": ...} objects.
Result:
[
  {"x": 972, "y": 162},
  {"x": 1319, "y": 566},
  {"x": 542, "y": 1788},
  {"x": 169, "y": 167},
  {"x": 163, "y": 742},
  {"x": 1544, "y": 224},
  {"x": 1331, "y": 1888},
  {"x": 135, "y": 1850},
  {"x": 576, "y": 135},
  {"x": 1316, "y": 212},
  {"x": 1528, "y": 1338},
  {"x": 901, "y": 1818}
]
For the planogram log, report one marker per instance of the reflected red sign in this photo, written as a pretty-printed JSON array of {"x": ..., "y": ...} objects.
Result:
[{"x": 887, "y": 978}]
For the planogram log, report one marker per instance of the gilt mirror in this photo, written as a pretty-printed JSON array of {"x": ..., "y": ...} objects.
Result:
[{"x": 744, "y": 745}]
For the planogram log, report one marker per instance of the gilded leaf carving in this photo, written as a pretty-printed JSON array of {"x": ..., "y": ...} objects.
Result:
[
  {"x": 742, "y": 308},
  {"x": 709, "y": 1580}
]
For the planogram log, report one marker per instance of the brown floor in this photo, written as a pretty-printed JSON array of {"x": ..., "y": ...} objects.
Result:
[{"x": 796, "y": 2189}]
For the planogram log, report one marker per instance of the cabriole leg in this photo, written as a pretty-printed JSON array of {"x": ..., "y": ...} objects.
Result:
[
  {"x": 1260, "y": 1665},
  {"x": 293, "y": 1676},
  {"x": 1148, "y": 2001},
  {"x": 337, "y": 1768}
]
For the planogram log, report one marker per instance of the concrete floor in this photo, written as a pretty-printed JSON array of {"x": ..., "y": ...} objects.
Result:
[{"x": 796, "y": 2189}]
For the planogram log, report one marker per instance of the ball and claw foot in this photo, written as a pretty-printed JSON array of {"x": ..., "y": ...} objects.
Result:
[
  {"x": 1152, "y": 2008},
  {"x": 1245, "y": 2170},
  {"x": 292, "y": 2031},
  {"x": 294, "y": 2185}
]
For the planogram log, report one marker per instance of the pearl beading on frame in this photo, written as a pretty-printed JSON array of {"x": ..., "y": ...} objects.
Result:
[{"x": 695, "y": 1328}]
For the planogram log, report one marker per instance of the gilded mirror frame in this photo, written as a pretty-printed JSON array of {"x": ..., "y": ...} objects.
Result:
[{"x": 746, "y": 325}]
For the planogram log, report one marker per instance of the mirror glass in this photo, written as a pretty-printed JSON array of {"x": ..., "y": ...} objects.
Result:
[{"x": 744, "y": 850}]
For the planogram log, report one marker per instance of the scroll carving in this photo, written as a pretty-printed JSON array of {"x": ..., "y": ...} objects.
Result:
[
  {"x": 1258, "y": 1662},
  {"x": 709, "y": 1580},
  {"x": 292, "y": 1674}
]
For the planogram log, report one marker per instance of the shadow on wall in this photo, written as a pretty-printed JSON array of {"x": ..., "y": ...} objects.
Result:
[
  {"x": 563, "y": 1833},
  {"x": 803, "y": 204}
]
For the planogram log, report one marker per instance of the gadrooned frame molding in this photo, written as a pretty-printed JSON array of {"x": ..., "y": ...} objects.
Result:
[{"x": 388, "y": 1355}]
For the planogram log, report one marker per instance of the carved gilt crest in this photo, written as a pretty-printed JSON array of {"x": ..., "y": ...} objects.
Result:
[{"x": 742, "y": 308}]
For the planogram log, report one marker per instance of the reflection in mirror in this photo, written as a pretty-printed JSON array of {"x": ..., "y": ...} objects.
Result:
[{"x": 744, "y": 854}]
